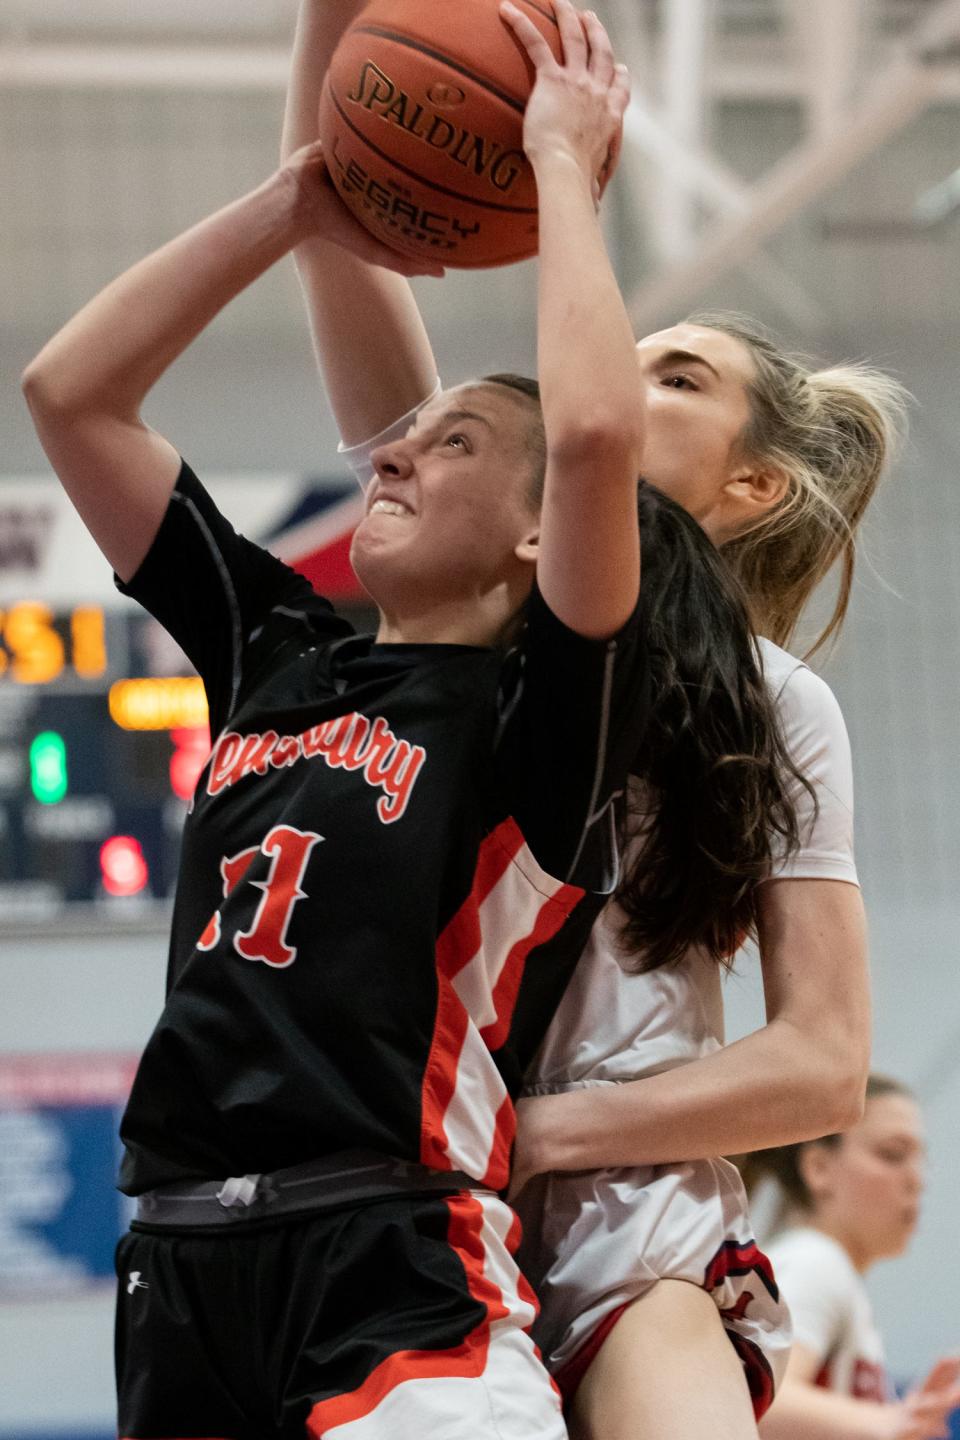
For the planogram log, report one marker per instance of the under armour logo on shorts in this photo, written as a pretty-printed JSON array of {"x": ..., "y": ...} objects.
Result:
[{"x": 135, "y": 1283}]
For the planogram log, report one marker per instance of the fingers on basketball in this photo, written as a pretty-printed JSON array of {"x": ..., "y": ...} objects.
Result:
[
  {"x": 601, "y": 50},
  {"x": 529, "y": 36},
  {"x": 576, "y": 49}
]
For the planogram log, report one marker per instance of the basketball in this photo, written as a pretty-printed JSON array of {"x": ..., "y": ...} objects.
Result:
[{"x": 421, "y": 121}]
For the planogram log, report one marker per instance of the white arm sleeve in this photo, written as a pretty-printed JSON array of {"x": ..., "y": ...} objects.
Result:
[
  {"x": 358, "y": 456},
  {"x": 817, "y": 740}
]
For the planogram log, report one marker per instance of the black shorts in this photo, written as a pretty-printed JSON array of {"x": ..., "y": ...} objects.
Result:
[{"x": 396, "y": 1318}]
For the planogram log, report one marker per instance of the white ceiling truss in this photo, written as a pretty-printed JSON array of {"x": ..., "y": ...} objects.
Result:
[
  {"x": 843, "y": 129},
  {"x": 860, "y": 69}
]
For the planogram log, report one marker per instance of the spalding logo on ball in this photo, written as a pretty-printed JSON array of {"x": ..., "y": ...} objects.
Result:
[{"x": 422, "y": 122}]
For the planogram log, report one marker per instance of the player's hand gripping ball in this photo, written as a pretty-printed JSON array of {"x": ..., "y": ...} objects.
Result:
[{"x": 422, "y": 128}]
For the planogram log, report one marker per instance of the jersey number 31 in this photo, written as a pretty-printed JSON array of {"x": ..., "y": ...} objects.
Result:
[{"x": 288, "y": 851}]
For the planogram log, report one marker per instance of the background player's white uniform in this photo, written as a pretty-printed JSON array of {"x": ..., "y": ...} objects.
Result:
[
  {"x": 831, "y": 1312},
  {"x": 595, "y": 1241}
]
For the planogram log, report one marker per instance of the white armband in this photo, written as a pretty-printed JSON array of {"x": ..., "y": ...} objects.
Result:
[{"x": 358, "y": 456}]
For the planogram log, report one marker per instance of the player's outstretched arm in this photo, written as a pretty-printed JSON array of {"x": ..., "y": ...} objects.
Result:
[
  {"x": 86, "y": 387},
  {"x": 801, "y": 1075},
  {"x": 805, "y": 1411},
  {"x": 589, "y": 556},
  {"x": 371, "y": 345}
]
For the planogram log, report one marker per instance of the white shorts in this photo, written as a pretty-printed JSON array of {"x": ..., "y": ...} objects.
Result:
[{"x": 595, "y": 1241}]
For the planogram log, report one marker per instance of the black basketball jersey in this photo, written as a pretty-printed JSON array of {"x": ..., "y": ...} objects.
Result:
[{"x": 390, "y": 865}]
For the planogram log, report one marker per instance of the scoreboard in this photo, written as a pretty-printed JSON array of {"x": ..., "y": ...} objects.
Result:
[
  {"x": 99, "y": 755},
  {"x": 103, "y": 722}
]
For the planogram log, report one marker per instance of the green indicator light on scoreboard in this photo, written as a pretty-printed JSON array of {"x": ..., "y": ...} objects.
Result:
[{"x": 48, "y": 768}]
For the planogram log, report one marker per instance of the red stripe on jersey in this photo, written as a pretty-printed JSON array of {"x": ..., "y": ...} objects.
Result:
[
  {"x": 466, "y": 1236},
  {"x": 467, "y": 1360},
  {"x": 440, "y": 1076},
  {"x": 461, "y": 938},
  {"x": 569, "y": 1376},
  {"x": 526, "y": 1292},
  {"x": 458, "y": 943},
  {"x": 524, "y": 1288},
  {"x": 498, "y": 1167},
  {"x": 756, "y": 1369},
  {"x": 735, "y": 1259},
  {"x": 513, "y": 907},
  {"x": 551, "y": 917}
]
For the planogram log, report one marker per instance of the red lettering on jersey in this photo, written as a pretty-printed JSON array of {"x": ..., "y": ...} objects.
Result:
[
  {"x": 311, "y": 740},
  {"x": 211, "y": 934},
  {"x": 336, "y": 734},
  {"x": 739, "y": 1310},
  {"x": 232, "y": 870},
  {"x": 266, "y": 938},
  {"x": 255, "y": 755},
  {"x": 869, "y": 1381},
  {"x": 398, "y": 780},
  {"x": 379, "y": 745},
  {"x": 350, "y": 742},
  {"x": 286, "y": 752},
  {"x": 352, "y": 752},
  {"x": 221, "y": 766}
]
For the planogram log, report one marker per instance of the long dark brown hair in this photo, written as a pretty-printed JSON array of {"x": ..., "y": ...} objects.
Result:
[{"x": 713, "y": 779}]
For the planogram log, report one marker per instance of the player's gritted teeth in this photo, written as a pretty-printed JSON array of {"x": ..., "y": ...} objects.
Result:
[{"x": 382, "y": 504}]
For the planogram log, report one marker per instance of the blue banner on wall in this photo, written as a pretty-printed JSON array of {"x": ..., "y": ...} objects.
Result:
[{"x": 60, "y": 1211}]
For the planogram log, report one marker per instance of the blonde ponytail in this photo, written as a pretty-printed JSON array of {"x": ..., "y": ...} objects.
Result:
[{"x": 831, "y": 433}]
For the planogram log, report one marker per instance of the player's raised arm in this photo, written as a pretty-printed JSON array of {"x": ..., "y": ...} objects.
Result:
[
  {"x": 370, "y": 342},
  {"x": 86, "y": 387},
  {"x": 589, "y": 563}
]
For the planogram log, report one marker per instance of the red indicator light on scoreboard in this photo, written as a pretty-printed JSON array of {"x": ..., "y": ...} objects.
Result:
[{"x": 123, "y": 869}]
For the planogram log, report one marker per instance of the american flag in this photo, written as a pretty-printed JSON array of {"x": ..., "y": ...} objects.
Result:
[{"x": 314, "y": 535}]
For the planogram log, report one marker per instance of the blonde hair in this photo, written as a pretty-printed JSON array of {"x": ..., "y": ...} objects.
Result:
[{"x": 832, "y": 434}]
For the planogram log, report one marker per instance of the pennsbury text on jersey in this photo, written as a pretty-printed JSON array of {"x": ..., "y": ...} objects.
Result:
[{"x": 350, "y": 742}]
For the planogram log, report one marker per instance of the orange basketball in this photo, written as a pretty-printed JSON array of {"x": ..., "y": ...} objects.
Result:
[{"x": 422, "y": 120}]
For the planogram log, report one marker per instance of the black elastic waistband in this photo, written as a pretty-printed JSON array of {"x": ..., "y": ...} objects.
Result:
[{"x": 346, "y": 1178}]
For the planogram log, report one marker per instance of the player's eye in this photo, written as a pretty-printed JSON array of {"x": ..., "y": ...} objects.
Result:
[
  {"x": 458, "y": 441},
  {"x": 679, "y": 382}
]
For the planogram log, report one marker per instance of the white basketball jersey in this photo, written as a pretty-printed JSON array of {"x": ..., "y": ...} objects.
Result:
[
  {"x": 831, "y": 1312},
  {"x": 615, "y": 1026}
]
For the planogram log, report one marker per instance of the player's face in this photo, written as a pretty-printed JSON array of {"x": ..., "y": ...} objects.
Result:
[
  {"x": 874, "y": 1179},
  {"x": 449, "y": 507},
  {"x": 695, "y": 383}
]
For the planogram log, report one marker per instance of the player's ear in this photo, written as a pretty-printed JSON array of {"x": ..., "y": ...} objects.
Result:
[
  {"x": 751, "y": 491},
  {"x": 816, "y": 1165},
  {"x": 528, "y": 547}
]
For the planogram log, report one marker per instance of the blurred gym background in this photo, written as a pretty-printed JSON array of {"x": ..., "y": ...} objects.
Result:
[{"x": 797, "y": 159}]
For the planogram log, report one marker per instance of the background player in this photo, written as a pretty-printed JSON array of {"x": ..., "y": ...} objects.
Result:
[
  {"x": 318, "y": 1124},
  {"x": 848, "y": 1201}
]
